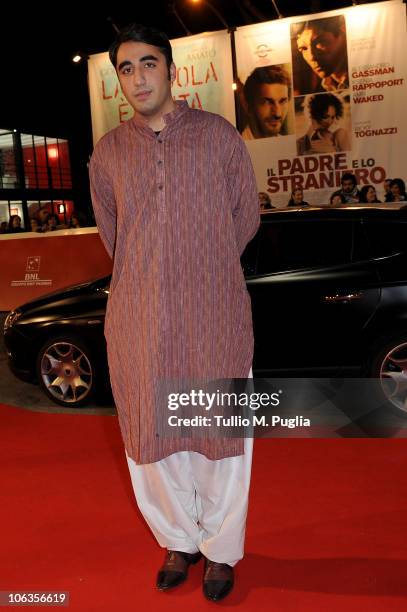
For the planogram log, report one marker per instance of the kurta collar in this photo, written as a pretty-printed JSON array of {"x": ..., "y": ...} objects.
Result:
[
  {"x": 180, "y": 109},
  {"x": 169, "y": 118}
]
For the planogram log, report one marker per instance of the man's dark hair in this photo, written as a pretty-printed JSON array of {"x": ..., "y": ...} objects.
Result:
[
  {"x": 318, "y": 106},
  {"x": 348, "y": 176},
  {"x": 265, "y": 75},
  {"x": 335, "y": 25},
  {"x": 135, "y": 32}
]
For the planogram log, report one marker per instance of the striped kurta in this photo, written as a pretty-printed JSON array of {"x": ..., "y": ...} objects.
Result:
[{"x": 175, "y": 212}]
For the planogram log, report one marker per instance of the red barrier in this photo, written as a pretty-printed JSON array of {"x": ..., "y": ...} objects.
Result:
[{"x": 33, "y": 264}]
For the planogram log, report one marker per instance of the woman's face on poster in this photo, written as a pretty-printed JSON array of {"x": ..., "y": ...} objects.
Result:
[{"x": 329, "y": 118}]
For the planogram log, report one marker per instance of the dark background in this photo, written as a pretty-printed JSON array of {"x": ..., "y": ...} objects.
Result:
[{"x": 45, "y": 93}]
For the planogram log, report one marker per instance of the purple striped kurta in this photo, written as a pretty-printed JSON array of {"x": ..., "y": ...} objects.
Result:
[{"x": 175, "y": 213}]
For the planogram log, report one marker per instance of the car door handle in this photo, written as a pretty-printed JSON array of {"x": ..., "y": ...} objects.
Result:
[{"x": 342, "y": 297}]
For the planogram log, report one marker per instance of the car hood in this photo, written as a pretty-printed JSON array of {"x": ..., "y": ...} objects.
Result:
[{"x": 70, "y": 292}]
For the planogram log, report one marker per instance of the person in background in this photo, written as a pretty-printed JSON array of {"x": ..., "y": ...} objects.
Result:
[
  {"x": 297, "y": 198},
  {"x": 14, "y": 224},
  {"x": 4, "y": 227},
  {"x": 368, "y": 195},
  {"x": 386, "y": 187},
  {"x": 34, "y": 225},
  {"x": 74, "y": 221},
  {"x": 397, "y": 191},
  {"x": 337, "y": 199},
  {"x": 42, "y": 217},
  {"x": 52, "y": 223},
  {"x": 265, "y": 201},
  {"x": 349, "y": 188}
]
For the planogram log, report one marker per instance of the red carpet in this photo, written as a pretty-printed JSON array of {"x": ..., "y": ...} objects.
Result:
[{"x": 326, "y": 527}]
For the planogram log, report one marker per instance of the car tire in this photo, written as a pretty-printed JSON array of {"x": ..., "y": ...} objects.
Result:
[
  {"x": 66, "y": 371},
  {"x": 388, "y": 364}
]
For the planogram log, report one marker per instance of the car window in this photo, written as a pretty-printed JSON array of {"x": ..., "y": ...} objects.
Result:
[
  {"x": 360, "y": 250},
  {"x": 291, "y": 245},
  {"x": 386, "y": 237}
]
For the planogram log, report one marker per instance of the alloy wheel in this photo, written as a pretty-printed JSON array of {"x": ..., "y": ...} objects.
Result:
[
  {"x": 393, "y": 376},
  {"x": 66, "y": 372}
]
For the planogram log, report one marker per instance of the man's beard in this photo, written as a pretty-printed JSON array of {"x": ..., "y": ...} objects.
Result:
[{"x": 261, "y": 129}]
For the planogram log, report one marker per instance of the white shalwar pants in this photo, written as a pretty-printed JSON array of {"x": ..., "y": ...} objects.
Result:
[{"x": 193, "y": 503}]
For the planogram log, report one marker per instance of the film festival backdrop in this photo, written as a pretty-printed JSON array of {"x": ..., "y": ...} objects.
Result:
[{"x": 316, "y": 96}]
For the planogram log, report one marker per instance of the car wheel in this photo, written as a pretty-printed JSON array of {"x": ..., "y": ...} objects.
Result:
[
  {"x": 66, "y": 371},
  {"x": 389, "y": 366}
]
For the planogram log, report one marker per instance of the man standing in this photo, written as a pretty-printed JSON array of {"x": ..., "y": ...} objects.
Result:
[
  {"x": 175, "y": 201},
  {"x": 267, "y": 97}
]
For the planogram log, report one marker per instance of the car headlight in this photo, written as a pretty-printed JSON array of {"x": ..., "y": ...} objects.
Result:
[{"x": 11, "y": 318}]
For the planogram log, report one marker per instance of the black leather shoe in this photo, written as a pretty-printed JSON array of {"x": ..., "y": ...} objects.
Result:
[
  {"x": 218, "y": 580},
  {"x": 175, "y": 568}
]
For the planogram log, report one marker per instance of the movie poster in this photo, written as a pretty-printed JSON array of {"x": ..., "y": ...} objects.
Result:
[
  {"x": 322, "y": 94},
  {"x": 204, "y": 79}
]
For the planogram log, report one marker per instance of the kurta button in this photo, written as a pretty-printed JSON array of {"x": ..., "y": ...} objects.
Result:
[
  {"x": 160, "y": 187},
  {"x": 159, "y": 140},
  {"x": 160, "y": 161}
]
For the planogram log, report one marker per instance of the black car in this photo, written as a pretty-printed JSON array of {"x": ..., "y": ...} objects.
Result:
[{"x": 329, "y": 296}]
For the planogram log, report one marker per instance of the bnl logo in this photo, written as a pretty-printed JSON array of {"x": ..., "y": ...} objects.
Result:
[{"x": 32, "y": 267}]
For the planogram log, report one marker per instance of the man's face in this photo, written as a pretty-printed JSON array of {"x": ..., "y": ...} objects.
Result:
[
  {"x": 270, "y": 107},
  {"x": 297, "y": 196},
  {"x": 322, "y": 50},
  {"x": 347, "y": 186},
  {"x": 143, "y": 75}
]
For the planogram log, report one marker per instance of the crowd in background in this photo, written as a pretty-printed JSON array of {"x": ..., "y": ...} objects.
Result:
[
  {"x": 42, "y": 221},
  {"x": 394, "y": 191}
]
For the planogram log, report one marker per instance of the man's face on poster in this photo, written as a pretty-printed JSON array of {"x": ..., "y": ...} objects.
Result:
[
  {"x": 270, "y": 107},
  {"x": 323, "y": 51}
]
